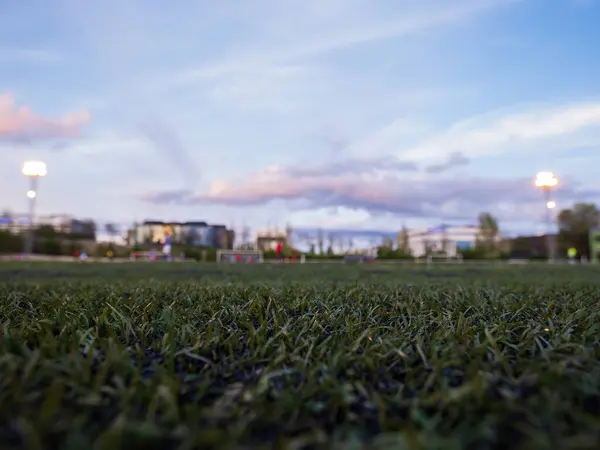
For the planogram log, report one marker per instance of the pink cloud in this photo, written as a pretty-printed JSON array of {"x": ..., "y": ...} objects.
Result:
[
  {"x": 454, "y": 197},
  {"x": 20, "y": 123}
]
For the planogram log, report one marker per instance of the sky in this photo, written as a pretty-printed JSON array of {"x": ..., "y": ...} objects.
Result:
[{"x": 346, "y": 114}]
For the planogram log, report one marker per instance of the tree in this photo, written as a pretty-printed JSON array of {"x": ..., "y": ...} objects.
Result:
[
  {"x": 387, "y": 242},
  {"x": 288, "y": 234},
  {"x": 445, "y": 243},
  {"x": 320, "y": 240},
  {"x": 111, "y": 229},
  {"x": 9, "y": 242},
  {"x": 331, "y": 243},
  {"x": 45, "y": 232},
  {"x": 575, "y": 225},
  {"x": 245, "y": 237},
  {"x": 49, "y": 246},
  {"x": 429, "y": 247},
  {"x": 82, "y": 229},
  {"x": 404, "y": 240},
  {"x": 487, "y": 240}
]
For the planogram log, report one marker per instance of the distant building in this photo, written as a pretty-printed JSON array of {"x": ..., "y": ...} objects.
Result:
[
  {"x": 267, "y": 240},
  {"x": 443, "y": 239},
  {"x": 196, "y": 234},
  {"x": 60, "y": 223}
]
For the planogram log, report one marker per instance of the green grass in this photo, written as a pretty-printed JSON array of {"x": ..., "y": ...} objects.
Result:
[{"x": 111, "y": 356}]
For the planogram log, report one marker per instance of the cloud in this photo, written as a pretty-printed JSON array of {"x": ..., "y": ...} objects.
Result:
[
  {"x": 393, "y": 184},
  {"x": 455, "y": 159},
  {"x": 20, "y": 124},
  {"x": 299, "y": 173},
  {"x": 59, "y": 146},
  {"x": 353, "y": 166},
  {"x": 452, "y": 199},
  {"x": 335, "y": 144},
  {"x": 262, "y": 88},
  {"x": 537, "y": 129},
  {"x": 390, "y": 139},
  {"x": 307, "y": 29},
  {"x": 169, "y": 146}
]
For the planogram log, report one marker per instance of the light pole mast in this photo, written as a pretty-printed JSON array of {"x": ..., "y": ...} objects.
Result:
[
  {"x": 546, "y": 181},
  {"x": 34, "y": 170}
]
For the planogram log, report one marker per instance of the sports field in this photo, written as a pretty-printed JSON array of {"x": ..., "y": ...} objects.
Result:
[{"x": 168, "y": 356}]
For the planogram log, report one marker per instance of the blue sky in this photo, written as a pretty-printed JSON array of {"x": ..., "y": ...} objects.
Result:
[{"x": 336, "y": 113}]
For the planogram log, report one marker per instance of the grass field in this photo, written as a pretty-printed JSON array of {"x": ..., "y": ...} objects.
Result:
[{"x": 111, "y": 356}]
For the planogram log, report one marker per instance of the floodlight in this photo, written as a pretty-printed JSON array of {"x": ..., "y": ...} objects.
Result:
[
  {"x": 34, "y": 169},
  {"x": 546, "y": 180}
]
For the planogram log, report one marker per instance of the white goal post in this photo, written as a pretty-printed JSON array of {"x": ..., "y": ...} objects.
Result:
[
  {"x": 441, "y": 258},
  {"x": 239, "y": 257}
]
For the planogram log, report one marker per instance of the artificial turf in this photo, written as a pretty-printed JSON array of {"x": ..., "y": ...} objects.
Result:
[{"x": 111, "y": 356}]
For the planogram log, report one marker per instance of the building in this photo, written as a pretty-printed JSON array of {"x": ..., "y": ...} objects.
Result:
[
  {"x": 61, "y": 223},
  {"x": 267, "y": 240},
  {"x": 442, "y": 239},
  {"x": 196, "y": 234}
]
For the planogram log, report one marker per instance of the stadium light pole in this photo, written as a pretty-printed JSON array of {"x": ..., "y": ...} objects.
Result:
[
  {"x": 546, "y": 181},
  {"x": 34, "y": 170}
]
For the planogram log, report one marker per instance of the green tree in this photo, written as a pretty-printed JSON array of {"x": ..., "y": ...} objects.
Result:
[
  {"x": 46, "y": 232},
  {"x": 487, "y": 240},
  {"x": 48, "y": 246},
  {"x": 331, "y": 243},
  {"x": 575, "y": 224},
  {"x": 403, "y": 241},
  {"x": 387, "y": 242},
  {"x": 10, "y": 243}
]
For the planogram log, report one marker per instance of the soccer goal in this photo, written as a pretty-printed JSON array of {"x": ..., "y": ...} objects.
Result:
[
  {"x": 443, "y": 258},
  {"x": 239, "y": 257}
]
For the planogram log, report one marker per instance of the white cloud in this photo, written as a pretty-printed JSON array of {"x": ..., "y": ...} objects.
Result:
[
  {"x": 389, "y": 185},
  {"x": 262, "y": 88},
  {"x": 308, "y": 29},
  {"x": 539, "y": 129},
  {"x": 262, "y": 64},
  {"x": 389, "y": 139},
  {"x": 109, "y": 146},
  {"x": 558, "y": 127},
  {"x": 330, "y": 218},
  {"x": 351, "y": 64}
]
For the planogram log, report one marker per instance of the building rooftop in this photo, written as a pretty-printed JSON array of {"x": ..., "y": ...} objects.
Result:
[{"x": 191, "y": 223}]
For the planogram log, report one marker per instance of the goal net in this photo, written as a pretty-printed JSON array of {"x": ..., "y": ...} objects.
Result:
[
  {"x": 239, "y": 257},
  {"x": 444, "y": 258}
]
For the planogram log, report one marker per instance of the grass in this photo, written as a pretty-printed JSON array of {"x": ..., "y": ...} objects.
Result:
[{"x": 183, "y": 356}]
